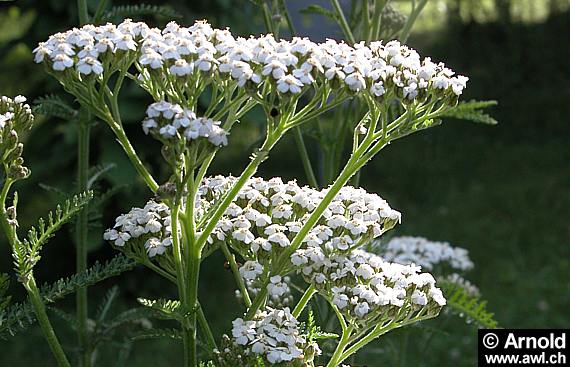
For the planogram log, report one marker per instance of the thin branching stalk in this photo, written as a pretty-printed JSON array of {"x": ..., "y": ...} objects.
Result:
[{"x": 309, "y": 292}]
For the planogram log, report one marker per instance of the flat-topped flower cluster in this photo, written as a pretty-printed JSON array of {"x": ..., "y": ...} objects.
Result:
[
  {"x": 148, "y": 227},
  {"x": 265, "y": 217},
  {"x": 428, "y": 254},
  {"x": 273, "y": 335},
  {"x": 200, "y": 52},
  {"x": 363, "y": 286},
  {"x": 170, "y": 121}
]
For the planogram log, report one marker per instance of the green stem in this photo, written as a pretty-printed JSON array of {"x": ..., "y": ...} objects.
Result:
[
  {"x": 342, "y": 22},
  {"x": 411, "y": 20},
  {"x": 344, "y": 340},
  {"x": 206, "y": 328},
  {"x": 45, "y": 324},
  {"x": 82, "y": 10},
  {"x": 81, "y": 241},
  {"x": 309, "y": 292},
  {"x": 237, "y": 276},
  {"x": 194, "y": 272},
  {"x": 248, "y": 172},
  {"x": 305, "y": 157},
  {"x": 377, "y": 18},
  {"x": 257, "y": 302},
  {"x": 365, "y": 20},
  {"x": 134, "y": 158}
]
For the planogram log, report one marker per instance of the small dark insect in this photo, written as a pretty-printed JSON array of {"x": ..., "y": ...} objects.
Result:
[
  {"x": 274, "y": 112},
  {"x": 228, "y": 267}
]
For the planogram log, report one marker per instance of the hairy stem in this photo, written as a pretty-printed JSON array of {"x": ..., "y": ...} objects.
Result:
[{"x": 45, "y": 324}]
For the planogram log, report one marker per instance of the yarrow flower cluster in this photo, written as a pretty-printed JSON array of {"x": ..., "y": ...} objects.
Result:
[
  {"x": 427, "y": 254},
  {"x": 267, "y": 215},
  {"x": 148, "y": 227},
  {"x": 363, "y": 286},
  {"x": 187, "y": 53},
  {"x": 15, "y": 118},
  {"x": 273, "y": 335},
  {"x": 169, "y": 121}
]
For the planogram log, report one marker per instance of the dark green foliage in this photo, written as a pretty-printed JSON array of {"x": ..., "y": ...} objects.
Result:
[
  {"x": 52, "y": 105},
  {"x": 166, "y": 309},
  {"x": 471, "y": 307},
  {"x": 313, "y": 332},
  {"x": 157, "y": 333},
  {"x": 27, "y": 254},
  {"x": 472, "y": 111},
  {"x": 317, "y": 9},
  {"x": 136, "y": 11},
  {"x": 19, "y": 316}
]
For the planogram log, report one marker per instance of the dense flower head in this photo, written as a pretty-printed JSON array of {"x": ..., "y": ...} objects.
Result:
[
  {"x": 200, "y": 52},
  {"x": 365, "y": 287},
  {"x": 15, "y": 118},
  {"x": 267, "y": 214},
  {"x": 428, "y": 254},
  {"x": 147, "y": 228},
  {"x": 168, "y": 121},
  {"x": 274, "y": 335}
]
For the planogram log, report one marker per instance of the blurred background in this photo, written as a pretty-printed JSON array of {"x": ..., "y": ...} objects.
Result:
[{"x": 502, "y": 192}]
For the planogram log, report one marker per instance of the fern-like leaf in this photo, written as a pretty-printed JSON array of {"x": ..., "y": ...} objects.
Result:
[
  {"x": 20, "y": 316},
  {"x": 472, "y": 111},
  {"x": 38, "y": 236},
  {"x": 97, "y": 171},
  {"x": 54, "y": 106},
  {"x": 317, "y": 9},
  {"x": 472, "y": 307},
  {"x": 166, "y": 309},
  {"x": 68, "y": 318},
  {"x": 4, "y": 285},
  {"x": 157, "y": 333},
  {"x": 135, "y": 11},
  {"x": 106, "y": 304}
]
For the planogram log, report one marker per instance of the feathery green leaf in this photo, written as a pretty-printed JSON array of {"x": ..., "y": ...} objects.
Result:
[
  {"x": 157, "y": 333},
  {"x": 472, "y": 307},
  {"x": 53, "y": 105},
  {"x": 472, "y": 111},
  {"x": 20, "y": 316},
  {"x": 134, "y": 11}
]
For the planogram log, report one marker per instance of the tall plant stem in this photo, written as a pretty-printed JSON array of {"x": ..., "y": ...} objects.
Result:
[
  {"x": 81, "y": 232},
  {"x": 30, "y": 283},
  {"x": 305, "y": 157},
  {"x": 193, "y": 277},
  {"x": 44, "y": 323},
  {"x": 82, "y": 10},
  {"x": 343, "y": 22}
]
